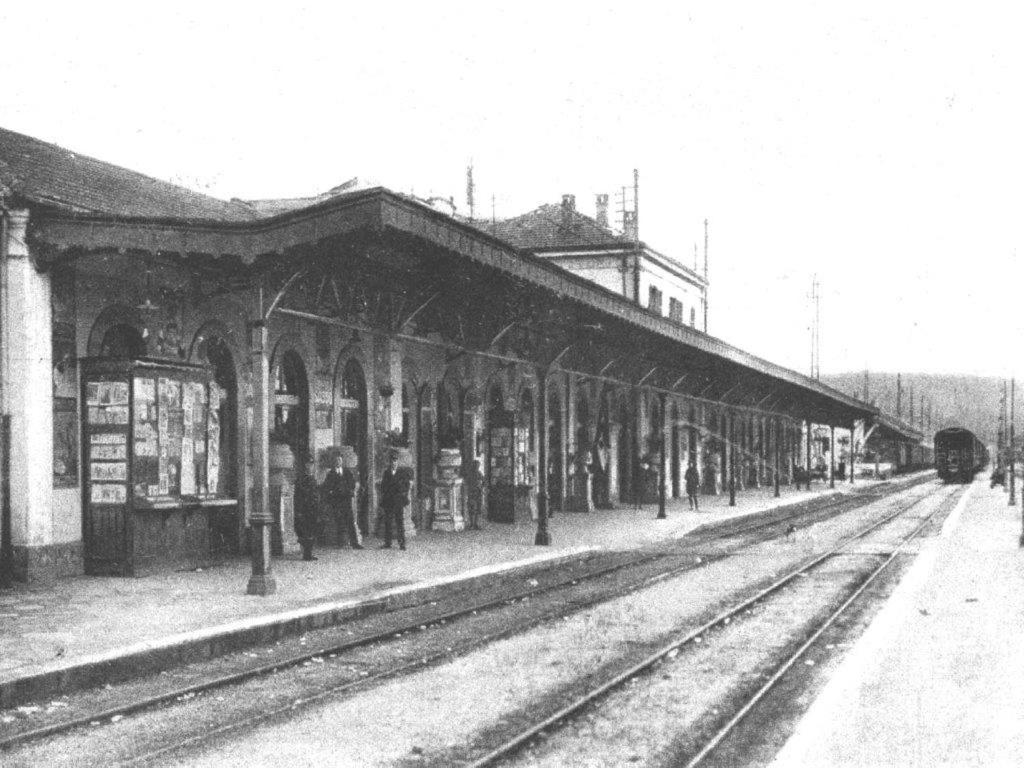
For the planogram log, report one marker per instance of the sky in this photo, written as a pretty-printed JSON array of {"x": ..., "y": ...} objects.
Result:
[{"x": 877, "y": 146}]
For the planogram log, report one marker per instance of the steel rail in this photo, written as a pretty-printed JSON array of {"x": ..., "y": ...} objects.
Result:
[
  {"x": 771, "y": 682},
  {"x": 585, "y": 700},
  {"x": 187, "y": 691}
]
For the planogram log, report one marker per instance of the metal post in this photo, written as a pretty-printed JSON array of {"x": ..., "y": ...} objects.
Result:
[
  {"x": 261, "y": 581},
  {"x": 1013, "y": 479},
  {"x": 853, "y": 450},
  {"x": 777, "y": 430},
  {"x": 808, "y": 477},
  {"x": 731, "y": 428},
  {"x": 832, "y": 457},
  {"x": 661, "y": 461},
  {"x": 543, "y": 538}
]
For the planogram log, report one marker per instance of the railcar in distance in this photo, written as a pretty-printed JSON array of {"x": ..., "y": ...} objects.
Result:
[{"x": 959, "y": 455}]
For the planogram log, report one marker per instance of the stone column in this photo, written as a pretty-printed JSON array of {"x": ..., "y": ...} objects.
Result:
[{"x": 28, "y": 400}]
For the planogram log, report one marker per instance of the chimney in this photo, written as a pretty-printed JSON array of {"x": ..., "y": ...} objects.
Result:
[
  {"x": 602, "y": 211},
  {"x": 568, "y": 208}
]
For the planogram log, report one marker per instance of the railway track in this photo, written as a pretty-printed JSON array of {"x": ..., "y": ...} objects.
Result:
[
  {"x": 660, "y": 563},
  {"x": 544, "y": 727}
]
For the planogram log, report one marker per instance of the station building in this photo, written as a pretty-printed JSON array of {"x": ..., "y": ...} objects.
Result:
[
  {"x": 618, "y": 261},
  {"x": 164, "y": 356}
]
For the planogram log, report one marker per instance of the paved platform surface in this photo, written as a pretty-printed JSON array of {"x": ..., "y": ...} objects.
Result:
[
  {"x": 938, "y": 677},
  {"x": 48, "y": 628}
]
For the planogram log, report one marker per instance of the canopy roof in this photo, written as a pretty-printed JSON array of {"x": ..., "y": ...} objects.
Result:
[{"x": 81, "y": 205}]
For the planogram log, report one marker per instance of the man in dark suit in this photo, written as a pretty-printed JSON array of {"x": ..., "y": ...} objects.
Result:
[
  {"x": 338, "y": 491},
  {"x": 394, "y": 496},
  {"x": 307, "y": 506}
]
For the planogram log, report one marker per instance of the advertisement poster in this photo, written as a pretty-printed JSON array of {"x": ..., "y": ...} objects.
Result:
[
  {"x": 98, "y": 471},
  {"x": 108, "y": 494},
  {"x": 108, "y": 452}
]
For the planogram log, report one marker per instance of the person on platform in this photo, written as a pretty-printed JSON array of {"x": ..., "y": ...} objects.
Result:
[
  {"x": 474, "y": 493},
  {"x": 338, "y": 493},
  {"x": 307, "y": 506},
  {"x": 692, "y": 480},
  {"x": 394, "y": 497}
]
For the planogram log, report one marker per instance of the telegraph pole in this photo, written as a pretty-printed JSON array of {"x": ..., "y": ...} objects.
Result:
[
  {"x": 899, "y": 396},
  {"x": 815, "y": 298}
]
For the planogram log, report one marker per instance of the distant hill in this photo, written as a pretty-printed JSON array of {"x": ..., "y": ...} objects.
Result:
[{"x": 957, "y": 400}]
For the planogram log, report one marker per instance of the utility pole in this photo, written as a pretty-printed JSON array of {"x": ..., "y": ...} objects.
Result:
[
  {"x": 899, "y": 396},
  {"x": 470, "y": 190},
  {"x": 707, "y": 285},
  {"x": 815, "y": 298}
]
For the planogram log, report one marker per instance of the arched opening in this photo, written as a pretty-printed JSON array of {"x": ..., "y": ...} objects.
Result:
[
  {"x": 425, "y": 438},
  {"x": 600, "y": 454},
  {"x": 215, "y": 352},
  {"x": 501, "y": 458},
  {"x": 625, "y": 457},
  {"x": 123, "y": 342},
  {"x": 526, "y": 441},
  {"x": 582, "y": 425},
  {"x": 449, "y": 415},
  {"x": 291, "y": 403},
  {"x": 350, "y": 393}
]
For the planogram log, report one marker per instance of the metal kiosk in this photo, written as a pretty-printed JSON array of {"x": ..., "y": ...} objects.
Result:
[{"x": 151, "y": 452}]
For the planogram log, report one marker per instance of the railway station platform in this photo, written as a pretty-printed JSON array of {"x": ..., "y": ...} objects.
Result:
[
  {"x": 937, "y": 677},
  {"x": 52, "y": 634}
]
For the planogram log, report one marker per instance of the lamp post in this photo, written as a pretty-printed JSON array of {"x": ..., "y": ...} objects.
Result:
[
  {"x": 261, "y": 580},
  {"x": 661, "y": 461},
  {"x": 543, "y": 537}
]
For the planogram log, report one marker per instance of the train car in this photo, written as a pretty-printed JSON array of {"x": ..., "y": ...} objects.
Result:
[{"x": 959, "y": 455}]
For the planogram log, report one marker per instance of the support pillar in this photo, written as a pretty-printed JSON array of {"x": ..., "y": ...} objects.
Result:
[
  {"x": 662, "y": 463},
  {"x": 698, "y": 441},
  {"x": 261, "y": 580},
  {"x": 776, "y": 430},
  {"x": 832, "y": 456},
  {"x": 27, "y": 370},
  {"x": 853, "y": 450},
  {"x": 731, "y": 430},
  {"x": 808, "y": 425},
  {"x": 543, "y": 538}
]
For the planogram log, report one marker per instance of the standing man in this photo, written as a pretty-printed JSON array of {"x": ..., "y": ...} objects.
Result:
[
  {"x": 394, "y": 496},
  {"x": 338, "y": 492},
  {"x": 474, "y": 493},
  {"x": 692, "y": 479},
  {"x": 307, "y": 506}
]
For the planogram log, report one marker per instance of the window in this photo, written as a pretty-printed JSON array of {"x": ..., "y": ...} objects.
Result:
[
  {"x": 693, "y": 317},
  {"x": 675, "y": 310},
  {"x": 654, "y": 300}
]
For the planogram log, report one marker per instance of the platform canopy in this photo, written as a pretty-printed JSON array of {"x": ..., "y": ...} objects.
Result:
[
  {"x": 888, "y": 427},
  {"x": 398, "y": 266}
]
